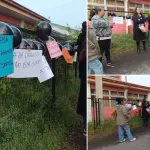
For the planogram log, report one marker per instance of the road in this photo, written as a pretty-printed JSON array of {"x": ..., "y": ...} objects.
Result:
[
  {"x": 142, "y": 143},
  {"x": 130, "y": 63}
]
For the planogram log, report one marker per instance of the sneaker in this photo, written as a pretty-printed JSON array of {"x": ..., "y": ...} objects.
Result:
[
  {"x": 133, "y": 140},
  {"x": 122, "y": 141},
  {"x": 110, "y": 65}
]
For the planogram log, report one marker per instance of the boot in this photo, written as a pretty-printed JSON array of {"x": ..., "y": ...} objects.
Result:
[{"x": 144, "y": 46}]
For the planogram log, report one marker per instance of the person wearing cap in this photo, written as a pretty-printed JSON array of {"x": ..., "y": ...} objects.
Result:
[{"x": 122, "y": 121}]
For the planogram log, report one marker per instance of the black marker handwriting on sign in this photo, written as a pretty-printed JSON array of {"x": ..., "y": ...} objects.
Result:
[
  {"x": 29, "y": 54},
  {"x": 6, "y": 64},
  {"x": 6, "y": 52},
  {"x": 27, "y": 64},
  {"x": 45, "y": 68},
  {"x": 3, "y": 39}
]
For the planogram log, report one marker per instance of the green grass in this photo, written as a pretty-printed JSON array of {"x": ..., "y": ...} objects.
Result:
[
  {"x": 109, "y": 127},
  {"x": 29, "y": 120},
  {"x": 122, "y": 43}
]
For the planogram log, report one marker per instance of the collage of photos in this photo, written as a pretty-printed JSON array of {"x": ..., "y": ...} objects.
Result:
[
  {"x": 118, "y": 84},
  {"x": 74, "y": 75}
]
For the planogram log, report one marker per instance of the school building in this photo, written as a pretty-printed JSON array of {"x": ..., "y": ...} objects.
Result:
[
  {"x": 26, "y": 20},
  {"x": 112, "y": 87},
  {"x": 120, "y": 5}
]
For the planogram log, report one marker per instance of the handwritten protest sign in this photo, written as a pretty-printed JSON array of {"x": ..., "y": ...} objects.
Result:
[
  {"x": 6, "y": 55},
  {"x": 26, "y": 63},
  {"x": 45, "y": 71},
  {"x": 67, "y": 56},
  {"x": 53, "y": 49},
  {"x": 118, "y": 20}
]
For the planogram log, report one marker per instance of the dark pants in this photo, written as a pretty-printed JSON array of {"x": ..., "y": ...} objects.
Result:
[
  {"x": 145, "y": 122},
  {"x": 84, "y": 120},
  {"x": 105, "y": 47}
]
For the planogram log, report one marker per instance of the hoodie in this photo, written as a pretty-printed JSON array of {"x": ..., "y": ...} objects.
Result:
[
  {"x": 102, "y": 27},
  {"x": 122, "y": 115},
  {"x": 93, "y": 47}
]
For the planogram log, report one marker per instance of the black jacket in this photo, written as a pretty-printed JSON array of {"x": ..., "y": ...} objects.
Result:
[{"x": 138, "y": 35}]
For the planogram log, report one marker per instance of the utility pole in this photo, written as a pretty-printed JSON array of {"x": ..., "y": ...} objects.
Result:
[{"x": 99, "y": 96}]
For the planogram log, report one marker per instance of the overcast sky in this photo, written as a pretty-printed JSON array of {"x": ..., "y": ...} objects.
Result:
[
  {"x": 61, "y": 12},
  {"x": 139, "y": 79}
]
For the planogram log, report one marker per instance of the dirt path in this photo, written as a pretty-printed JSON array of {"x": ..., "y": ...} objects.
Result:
[{"x": 130, "y": 63}]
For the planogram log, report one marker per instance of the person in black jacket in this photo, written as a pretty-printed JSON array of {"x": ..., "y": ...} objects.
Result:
[
  {"x": 81, "y": 106},
  {"x": 145, "y": 114},
  {"x": 139, "y": 19}
]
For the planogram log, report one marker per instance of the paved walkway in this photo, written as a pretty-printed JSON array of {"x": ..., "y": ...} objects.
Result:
[
  {"x": 142, "y": 142},
  {"x": 130, "y": 63}
]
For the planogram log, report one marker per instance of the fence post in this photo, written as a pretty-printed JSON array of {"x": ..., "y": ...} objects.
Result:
[{"x": 99, "y": 96}]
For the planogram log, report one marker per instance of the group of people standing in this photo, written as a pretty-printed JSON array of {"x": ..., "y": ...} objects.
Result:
[
  {"x": 100, "y": 34},
  {"x": 123, "y": 116}
]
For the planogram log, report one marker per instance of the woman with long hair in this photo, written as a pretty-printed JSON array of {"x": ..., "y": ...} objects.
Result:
[
  {"x": 138, "y": 35},
  {"x": 103, "y": 30}
]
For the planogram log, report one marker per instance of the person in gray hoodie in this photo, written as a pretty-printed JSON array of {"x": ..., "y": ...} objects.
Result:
[
  {"x": 122, "y": 120},
  {"x": 103, "y": 30},
  {"x": 94, "y": 54}
]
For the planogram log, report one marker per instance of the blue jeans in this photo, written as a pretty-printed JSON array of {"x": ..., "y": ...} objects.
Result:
[
  {"x": 95, "y": 67},
  {"x": 149, "y": 38},
  {"x": 123, "y": 129}
]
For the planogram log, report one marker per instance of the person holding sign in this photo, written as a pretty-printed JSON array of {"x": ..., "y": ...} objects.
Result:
[
  {"x": 122, "y": 120},
  {"x": 103, "y": 30},
  {"x": 139, "y": 30}
]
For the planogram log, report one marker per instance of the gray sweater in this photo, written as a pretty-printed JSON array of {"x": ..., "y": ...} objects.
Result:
[{"x": 101, "y": 26}]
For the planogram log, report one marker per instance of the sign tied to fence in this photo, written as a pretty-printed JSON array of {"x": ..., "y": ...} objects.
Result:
[
  {"x": 67, "y": 56},
  {"x": 26, "y": 63},
  {"x": 53, "y": 49},
  {"x": 45, "y": 71},
  {"x": 6, "y": 55}
]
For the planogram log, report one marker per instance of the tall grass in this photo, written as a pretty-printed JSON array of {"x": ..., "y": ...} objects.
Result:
[{"x": 29, "y": 120}]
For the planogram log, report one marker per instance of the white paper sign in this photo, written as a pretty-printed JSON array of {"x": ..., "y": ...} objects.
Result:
[
  {"x": 118, "y": 20},
  {"x": 45, "y": 71},
  {"x": 75, "y": 57},
  {"x": 26, "y": 63},
  {"x": 134, "y": 107},
  {"x": 129, "y": 22}
]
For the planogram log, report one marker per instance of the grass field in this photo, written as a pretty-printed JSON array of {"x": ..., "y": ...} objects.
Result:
[{"x": 29, "y": 120}]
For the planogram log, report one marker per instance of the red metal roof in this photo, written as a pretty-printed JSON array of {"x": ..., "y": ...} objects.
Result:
[
  {"x": 140, "y": 1},
  {"x": 122, "y": 82},
  {"x": 15, "y": 4}
]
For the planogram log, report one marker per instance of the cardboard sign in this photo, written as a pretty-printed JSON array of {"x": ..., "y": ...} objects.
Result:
[
  {"x": 26, "y": 63},
  {"x": 6, "y": 55},
  {"x": 53, "y": 49},
  {"x": 67, "y": 56},
  {"x": 45, "y": 71},
  {"x": 118, "y": 20},
  {"x": 128, "y": 22}
]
